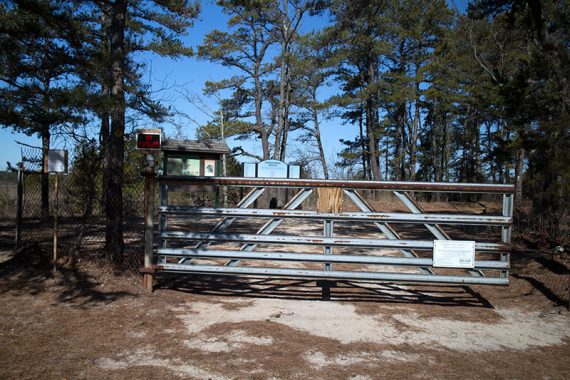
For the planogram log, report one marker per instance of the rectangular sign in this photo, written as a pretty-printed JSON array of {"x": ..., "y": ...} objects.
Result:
[
  {"x": 149, "y": 139},
  {"x": 209, "y": 168},
  {"x": 272, "y": 169},
  {"x": 249, "y": 170},
  {"x": 57, "y": 161},
  {"x": 191, "y": 167},
  {"x": 294, "y": 171},
  {"x": 453, "y": 254}
]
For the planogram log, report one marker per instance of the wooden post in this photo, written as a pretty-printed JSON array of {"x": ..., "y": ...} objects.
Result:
[
  {"x": 19, "y": 204},
  {"x": 148, "y": 220},
  {"x": 329, "y": 199},
  {"x": 55, "y": 226}
]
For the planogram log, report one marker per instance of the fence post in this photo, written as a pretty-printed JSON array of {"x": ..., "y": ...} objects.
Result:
[
  {"x": 329, "y": 200},
  {"x": 55, "y": 222},
  {"x": 148, "y": 172},
  {"x": 19, "y": 204},
  {"x": 506, "y": 231}
]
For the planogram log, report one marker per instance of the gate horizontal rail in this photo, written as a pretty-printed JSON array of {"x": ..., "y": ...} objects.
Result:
[
  {"x": 488, "y": 220},
  {"x": 333, "y": 275},
  {"x": 191, "y": 252},
  {"x": 481, "y": 188},
  {"x": 318, "y": 240},
  {"x": 317, "y": 258}
]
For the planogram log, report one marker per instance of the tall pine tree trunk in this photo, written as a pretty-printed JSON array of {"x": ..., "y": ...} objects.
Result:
[
  {"x": 414, "y": 134},
  {"x": 371, "y": 127},
  {"x": 45, "y": 175},
  {"x": 365, "y": 155},
  {"x": 258, "y": 119},
  {"x": 519, "y": 167},
  {"x": 400, "y": 147},
  {"x": 114, "y": 244},
  {"x": 283, "y": 150},
  {"x": 320, "y": 143}
]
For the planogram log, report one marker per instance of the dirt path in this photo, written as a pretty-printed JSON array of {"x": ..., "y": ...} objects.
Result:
[{"x": 86, "y": 324}]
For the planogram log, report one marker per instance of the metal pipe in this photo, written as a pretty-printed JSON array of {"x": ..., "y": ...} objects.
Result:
[
  {"x": 318, "y": 240},
  {"x": 379, "y": 185},
  {"x": 385, "y": 228},
  {"x": 435, "y": 230},
  {"x": 340, "y": 275},
  {"x": 356, "y": 216},
  {"x": 271, "y": 225},
  {"x": 316, "y": 258},
  {"x": 507, "y": 230},
  {"x": 328, "y": 233}
]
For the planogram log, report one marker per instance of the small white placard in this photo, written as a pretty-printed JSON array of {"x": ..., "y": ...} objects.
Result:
[
  {"x": 57, "y": 161},
  {"x": 294, "y": 171},
  {"x": 453, "y": 253},
  {"x": 209, "y": 168},
  {"x": 249, "y": 170}
]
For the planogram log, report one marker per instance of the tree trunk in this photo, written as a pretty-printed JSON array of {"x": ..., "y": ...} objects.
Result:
[
  {"x": 371, "y": 127},
  {"x": 281, "y": 107},
  {"x": 400, "y": 144},
  {"x": 258, "y": 119},
  {"x": 414, "y": 134},
  {"x": 283, "y": 150},
  {"x": 114, "y": 244},
  {"x": 45, "y": 175},
  {"x": 519, "y": 168},
  {"x": 320, "y": 143},
  {"x": 365, "y": 166}
]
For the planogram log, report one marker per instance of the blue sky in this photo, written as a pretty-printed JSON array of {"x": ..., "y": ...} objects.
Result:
[{"x": 170, "y": 77}]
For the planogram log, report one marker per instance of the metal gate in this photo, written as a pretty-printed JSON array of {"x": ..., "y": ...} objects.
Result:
[{"x": 342, "y": 249}]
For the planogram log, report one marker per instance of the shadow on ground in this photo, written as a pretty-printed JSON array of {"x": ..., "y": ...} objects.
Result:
[
  {"x": 30, "y": 271},
  {"x": 352, "y": 291}
]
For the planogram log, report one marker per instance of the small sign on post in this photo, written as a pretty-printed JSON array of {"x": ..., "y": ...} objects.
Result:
[
  {"x": 57, "y": 164},
  {"x": 57, "y": 161},
  {"x": 149, "y": 139},
  {"x": 454, "y": 254}
]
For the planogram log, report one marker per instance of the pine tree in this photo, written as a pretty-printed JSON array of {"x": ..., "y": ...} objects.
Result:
[
  {"x": 245, "y": 48},
  {"x": 40, "y": 90}
]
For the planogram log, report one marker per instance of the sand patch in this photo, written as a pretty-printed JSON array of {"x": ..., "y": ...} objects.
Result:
[
  {"x": 320, "y": 360},
  {"x": 235, "y": 339},
  {"x": 146, "y": 357},
  {"x": 516, "y": 330}
]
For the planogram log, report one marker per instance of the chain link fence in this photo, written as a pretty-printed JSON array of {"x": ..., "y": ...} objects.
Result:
[{"x": 81, "y": 212}]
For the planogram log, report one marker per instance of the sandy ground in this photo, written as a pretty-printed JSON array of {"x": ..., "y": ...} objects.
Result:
[{"x": 86, "y": 323}]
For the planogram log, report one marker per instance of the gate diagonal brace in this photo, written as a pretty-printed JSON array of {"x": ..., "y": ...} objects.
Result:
[
  {"x": 435, "y": 229},
  {"x": 385, "y": 228},
  {"x": 226, "y": 222},
  {"x": 272, "y": 224}
]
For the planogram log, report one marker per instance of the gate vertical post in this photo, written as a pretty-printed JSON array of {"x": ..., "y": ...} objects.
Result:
[
  {"x": 148, "y": 219},
  {"x": 19, "y": 204},
  {"x": 507, "y": 230},
  {"x": 329, "y": 201}
]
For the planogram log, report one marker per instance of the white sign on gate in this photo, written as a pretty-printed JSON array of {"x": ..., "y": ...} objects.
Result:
[{"x": 453, "y": 253}]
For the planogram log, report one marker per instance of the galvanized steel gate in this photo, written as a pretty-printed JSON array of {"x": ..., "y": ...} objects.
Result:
[{"x": 339, "y": 257}]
